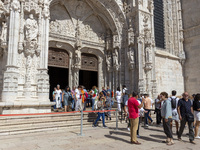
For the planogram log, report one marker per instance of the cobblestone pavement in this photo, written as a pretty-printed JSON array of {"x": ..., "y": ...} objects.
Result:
[{"x": 94, "y": 139}]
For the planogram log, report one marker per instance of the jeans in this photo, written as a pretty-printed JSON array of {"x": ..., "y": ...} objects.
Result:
[
  {"x": 190, "y": 126},
  {"x": 147, "y": 116},
  {"x": 158, "y": 116},
  {"x": 138, "y": 126},
  {"x": 99, "y": 116},
  {"x": 54, "y": 106},
  {"x": 167, "y": 128},
  {"x": 93, "y": 101},
  {"x": 73, "y": 104}
]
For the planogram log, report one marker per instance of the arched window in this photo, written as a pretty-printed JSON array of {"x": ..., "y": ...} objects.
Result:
[{"x": 159, "y": 23}]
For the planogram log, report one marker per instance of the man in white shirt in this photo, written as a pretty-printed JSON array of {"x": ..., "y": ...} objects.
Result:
[
  {"x": 174, "y": 101},
  {"x": 78, "y": 96}
]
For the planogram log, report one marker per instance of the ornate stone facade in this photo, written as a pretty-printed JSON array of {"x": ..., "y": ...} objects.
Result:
[{"x": 112, "y": 37}]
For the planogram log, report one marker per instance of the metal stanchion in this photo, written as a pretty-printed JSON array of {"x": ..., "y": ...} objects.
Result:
[
  {"x": 81, "y": 130},
  {"x": 116, "y": 119}
]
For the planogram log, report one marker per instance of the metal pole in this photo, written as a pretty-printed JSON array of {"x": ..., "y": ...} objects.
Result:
[
  {"x": 81, "y": 132},
  {"x": 116, "y": 119}
]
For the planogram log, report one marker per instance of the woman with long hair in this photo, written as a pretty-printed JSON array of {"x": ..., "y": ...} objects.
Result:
[{"x": 66, "y": 97}]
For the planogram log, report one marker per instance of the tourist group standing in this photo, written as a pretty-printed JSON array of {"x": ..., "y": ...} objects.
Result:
[{"x": 168, "y": 109}]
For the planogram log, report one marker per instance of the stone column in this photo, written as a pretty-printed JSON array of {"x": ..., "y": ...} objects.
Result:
[
  {"x": 100, "y": 73},
  {"x": 70, "y": 70},
  {"x": 43, "y": 46},
  {"x": 140, "y": 41},
  {"x": 10, "y": 86}
]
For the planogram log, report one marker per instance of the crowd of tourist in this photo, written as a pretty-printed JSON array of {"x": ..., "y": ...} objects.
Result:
[
  {"x": 168, "y": 109},
  {"x": 181, "y": 110}
]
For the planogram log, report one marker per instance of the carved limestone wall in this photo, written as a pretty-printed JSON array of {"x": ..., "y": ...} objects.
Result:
[{"x": 118, "y": 33}]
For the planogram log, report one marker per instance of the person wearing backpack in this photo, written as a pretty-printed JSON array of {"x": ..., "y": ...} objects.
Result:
[
  {"x": 174, "y": 102},
  {"x": 100, "y": 107}
]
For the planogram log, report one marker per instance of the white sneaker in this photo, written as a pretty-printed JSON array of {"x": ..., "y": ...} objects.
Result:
[
  {"x": 197, "y": 137},
  {"x": 128, "y": 129}
]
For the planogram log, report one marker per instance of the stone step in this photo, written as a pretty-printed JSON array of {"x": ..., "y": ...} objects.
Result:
[
  {"x": 27, "y": 123},
  {"x": 42, "y": 120},
  {"x": 41, "y": 127}
]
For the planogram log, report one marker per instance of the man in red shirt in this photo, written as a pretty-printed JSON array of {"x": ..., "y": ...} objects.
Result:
[{"x": 133, "y": 109}]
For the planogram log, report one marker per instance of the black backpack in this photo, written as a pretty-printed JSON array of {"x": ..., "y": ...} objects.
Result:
[{"x": 173, "y": 102}]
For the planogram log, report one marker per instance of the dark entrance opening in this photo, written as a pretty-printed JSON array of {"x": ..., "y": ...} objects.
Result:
[
  {"x": 88, "y": 78},
  {"x": 57, "y": 76}
]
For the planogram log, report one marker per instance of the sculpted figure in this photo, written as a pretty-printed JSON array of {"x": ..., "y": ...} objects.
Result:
[
  {"x": 31, "y": 29},
  {"x": 4, "y": 33},
  {"x": 15, "y": 5},
  {"x": 31, "y": 35},
  {"x": 115, "y": 58},
  {"x": 131, "y": 55},
  {"x": 148, "y": 55},
  {"x": 108, "y": 61},
  {"x": 77, "y": 58},
  {"x": 46, "y": 9}
]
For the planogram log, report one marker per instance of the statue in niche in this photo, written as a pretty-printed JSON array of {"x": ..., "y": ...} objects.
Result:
[
  {"x": 115, "y": 58},
  {"x": 31, "y": 36},
  {"x": 4, "y": 34},
  {"x": 148, "y": 55},
  {"x": 108, "y": 61},
  {"x": 131, "y": 36},
  {"x": 131, "y": 55},
  {"x": 77, "y": 56}
]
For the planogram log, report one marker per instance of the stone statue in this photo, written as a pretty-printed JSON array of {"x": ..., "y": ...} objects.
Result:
[
  {"x": 131, "y": 55},
  {"x": 131, "y": 37},
  {"x": 31, "y": 35},
  {"x": 4, "y": 33},
  {"x": 148, "y": 55},
  {"x": 31, "y": 29},
  {"x": 46, "y": 9},
  {"x": 15, "y": 5},
  {"x": 77, "y": 59},
  {"x": 115, "y": 58},
  {"x": 108, "y": 61}
]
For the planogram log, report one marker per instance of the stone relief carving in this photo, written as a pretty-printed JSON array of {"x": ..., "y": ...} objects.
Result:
[
  {"x": 77, "y": 59},
  {"x": 15, "y": 5},
  {"x": 32, "y": 5},
  {"x": 131, "y": 37},
  {"x": 31, "y": 37},
  {"x": 131, "y": 57},
  {"x": 116, "y": 59},
  {"x": 62, "y": 27},
  {"x": 109, "y": 61},
  {"x": 46, "y": 12},
  {"x": 3, "y": 37}
]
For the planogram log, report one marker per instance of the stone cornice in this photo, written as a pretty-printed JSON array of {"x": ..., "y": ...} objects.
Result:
[{"x": 166, "y": 54}]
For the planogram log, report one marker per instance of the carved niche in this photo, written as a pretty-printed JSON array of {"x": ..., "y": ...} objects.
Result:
[
  {"x": 89, "y": 62},
  {"x": 58, "y": 58}
]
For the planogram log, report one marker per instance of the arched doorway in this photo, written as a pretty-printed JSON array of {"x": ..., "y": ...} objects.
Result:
[
  {"x": 88, "y": 74},
  {"x": 58, "y": 64}
]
